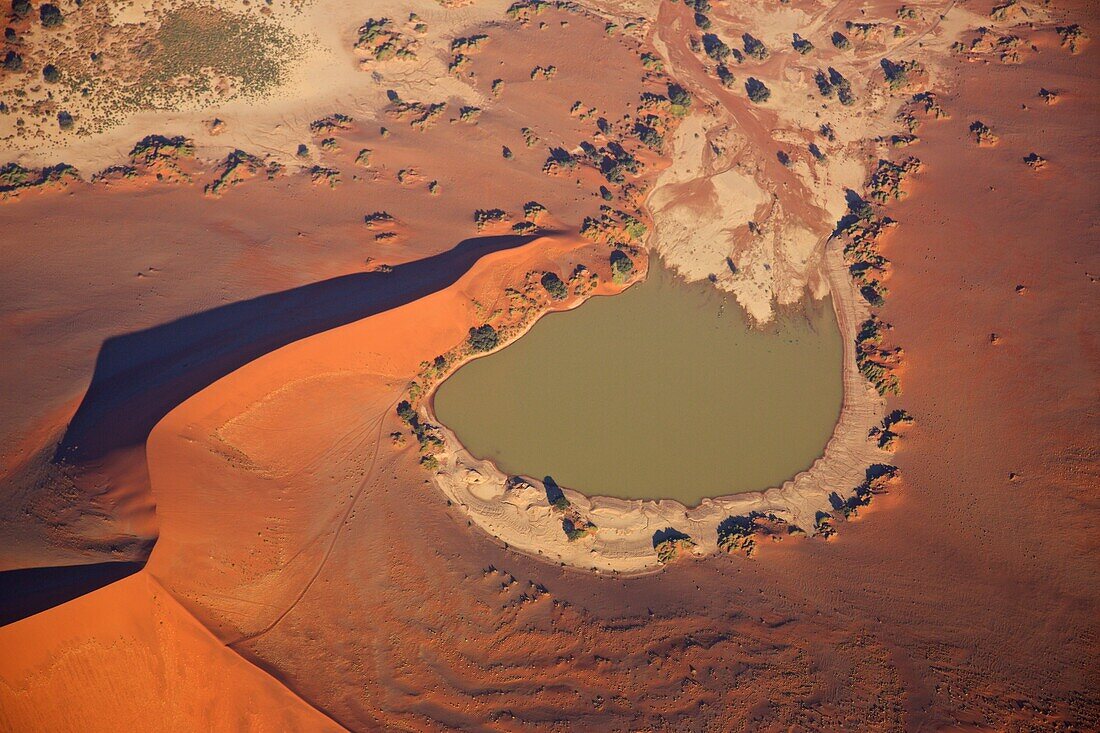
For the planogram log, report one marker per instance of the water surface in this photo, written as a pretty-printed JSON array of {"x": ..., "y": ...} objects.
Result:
[{"x": 661, "y": 392}]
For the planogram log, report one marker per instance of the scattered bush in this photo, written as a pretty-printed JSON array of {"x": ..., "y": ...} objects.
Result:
[
  {"x": 715, "y": 47},
  {"x": 378, "y": 217},
  {"x": 50, "y": 15},
  {"x": 554, "y": 286},
  {"x": 13, "y": 62},
  {"x": 679, "y": 98},
  {"x": 754, "y": 47},
  {"x": 1071, "y": 36},
  {"x": 757, "y": 91},
  {"x": 983, "y": 134},
  {"x": 897, "y": 74},
  {"x": 483, "y": 338},
  {"x": 649, "y": 136},
  {"x": 533, "y": 210},
  {"x": 843, "y": 87},
  {"x": 673, "y": 544},
  {"x": 726, "y": 76},
  {"x": 737, "y": 533},
  {"x": 1034, "y": 160},
  {"x": 484, "y": 217},
  {"x": 621, "y": 266}
]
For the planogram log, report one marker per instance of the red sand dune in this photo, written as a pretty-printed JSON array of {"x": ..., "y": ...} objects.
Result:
[{"x": 333, "y": 577}]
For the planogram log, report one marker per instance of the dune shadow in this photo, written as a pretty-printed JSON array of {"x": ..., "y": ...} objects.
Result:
[
  {"x": 29, "y": 591},
  {"x": 139, "y": 377}
]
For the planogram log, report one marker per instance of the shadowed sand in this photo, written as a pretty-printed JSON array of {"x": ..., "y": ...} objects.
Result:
[{"x": 139, "y": 377}]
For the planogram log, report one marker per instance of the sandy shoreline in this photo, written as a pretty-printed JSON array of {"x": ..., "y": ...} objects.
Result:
[{"x": 520, "y": 515}]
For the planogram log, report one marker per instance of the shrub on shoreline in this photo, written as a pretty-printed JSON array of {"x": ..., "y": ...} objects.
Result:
[
  {"x": 554, "y": 286},
  {"x": 483, "y": 338},
  {"x": 621, "y": 266}
]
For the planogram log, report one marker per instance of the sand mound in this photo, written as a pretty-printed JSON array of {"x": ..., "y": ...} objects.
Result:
[{"x": 129, "y": 657}]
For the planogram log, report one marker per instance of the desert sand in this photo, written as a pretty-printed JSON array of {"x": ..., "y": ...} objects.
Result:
[{"x": 210, "y": 355}]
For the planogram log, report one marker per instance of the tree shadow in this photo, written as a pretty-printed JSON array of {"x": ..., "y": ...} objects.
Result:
[
  {"x": 29, "y": 591},
  {"x": 139, "y": 377},
  {"x": 668, "y": 533},
  {"x": 857, "y": 208},
  {"x": 554, "y": 495},
  {"x": 739, "y": 525}
]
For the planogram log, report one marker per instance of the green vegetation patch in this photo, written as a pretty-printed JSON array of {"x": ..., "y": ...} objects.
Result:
[
  {"x": 483, "y": 338},
  {"x": 194, "y": 45},
  {"x": 554, "y": 286}
]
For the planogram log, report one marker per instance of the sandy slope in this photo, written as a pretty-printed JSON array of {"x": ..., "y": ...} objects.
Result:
[
  {"x": 962, "y": 599},
  {"x": 128, "y": 657},
  {"x": 125, "y": 257}
]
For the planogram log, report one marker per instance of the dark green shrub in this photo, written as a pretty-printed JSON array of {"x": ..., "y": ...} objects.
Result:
[
  {"x": 758, "y": 92},
  {"x": 13, "y": 61},
  {"x": 406, "y": 412},
  {"x": 843, "y": 87},
  {"x": 726, "y": 76},
  {"x": 649, "y": 136},
  {"x": 50, "y": 73},
  {"x": 754, "y": 47},
  {"x": 680, "y": 99},
  {"x": 64, "y": 120},
  {"x": 483, "y": 338},
  {"x": 50, "y": 15},
  {"x": 20, "y": 8},
  {"x": 841, "y": 41},
  {"x": 621, "y": 266},
  {"x": 801, "y": 45},
  {"x": 554, "y": 286},
  {"x": 715, "y": 47}
]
